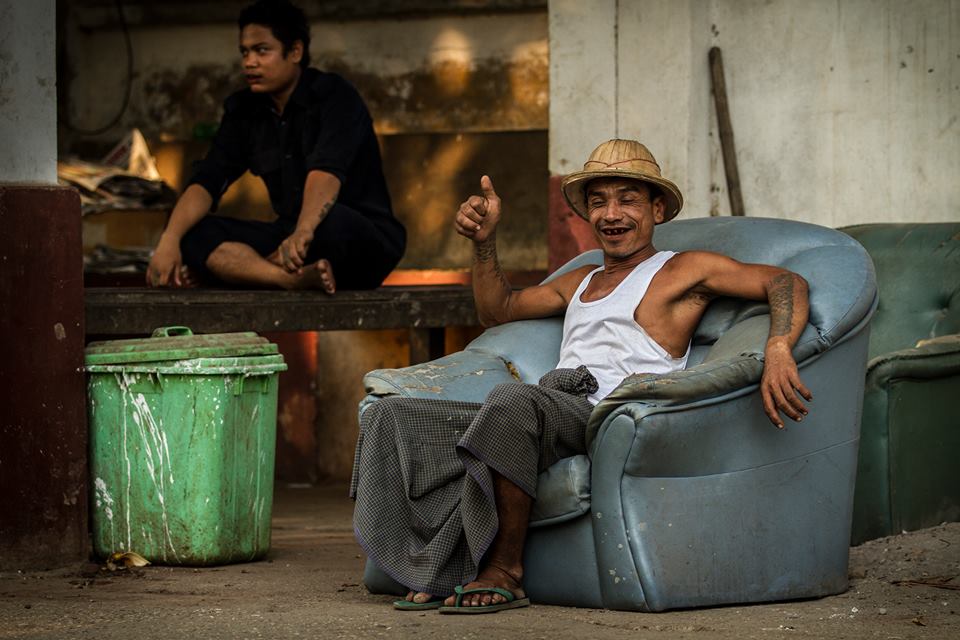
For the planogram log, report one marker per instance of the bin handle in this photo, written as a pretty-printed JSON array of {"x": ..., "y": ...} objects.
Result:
[{"x": 168, "y": 332}]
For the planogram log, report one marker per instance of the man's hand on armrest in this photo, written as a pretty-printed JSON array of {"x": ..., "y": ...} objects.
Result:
[{"x": 781, "y": 383}]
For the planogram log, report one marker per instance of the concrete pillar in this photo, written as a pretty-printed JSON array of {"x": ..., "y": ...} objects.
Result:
[
  {"x": 43, "y": 434},
  {"x": 583, "y": 108},
  {"x": 28, "y": 92}
]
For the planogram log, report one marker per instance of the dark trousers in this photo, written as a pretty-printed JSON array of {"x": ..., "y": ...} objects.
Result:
[{"x": 361, "y": 250}]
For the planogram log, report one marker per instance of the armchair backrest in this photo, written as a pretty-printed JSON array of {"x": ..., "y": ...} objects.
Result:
[
  {"x": 840, "y": 274},
  {"x": 918, "y": 271}
]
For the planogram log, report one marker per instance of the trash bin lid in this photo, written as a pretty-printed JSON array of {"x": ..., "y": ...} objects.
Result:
[{"x": 178, "y": 343}]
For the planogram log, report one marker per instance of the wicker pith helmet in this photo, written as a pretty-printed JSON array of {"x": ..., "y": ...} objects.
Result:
[{"x": 620, "y": 159}]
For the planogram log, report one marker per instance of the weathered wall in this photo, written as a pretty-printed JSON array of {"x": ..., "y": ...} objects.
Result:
[
  {"x": 452, "y": 97},
  {"x": 444, "y": 74},
  {"x": 28, "y": 98},
  {"x": 843, "y": 111}
]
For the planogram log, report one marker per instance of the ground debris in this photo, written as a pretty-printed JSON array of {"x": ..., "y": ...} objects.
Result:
[
  {"x": 126, "y": 560},
  {"x": 939, "y": 582}
]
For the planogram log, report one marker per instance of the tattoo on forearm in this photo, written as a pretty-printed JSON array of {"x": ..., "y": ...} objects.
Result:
[
  {"x": 781, "y": 304},
  {"x": 485, "y": 252}
]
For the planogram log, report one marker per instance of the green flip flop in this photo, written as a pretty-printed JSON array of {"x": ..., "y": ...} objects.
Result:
[
  {"x": 406, "y": 605},
  {"x": 512, "y": 601}
]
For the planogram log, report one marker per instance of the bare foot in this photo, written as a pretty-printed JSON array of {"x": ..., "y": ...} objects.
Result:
[
  {"x": 318, "y": 275},
  {"x": 419, "y": 597},
  {"x": 187, "y": 278},
  {"x": 490, "y": 576}
]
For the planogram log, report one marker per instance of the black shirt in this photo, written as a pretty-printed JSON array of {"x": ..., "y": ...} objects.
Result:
[{"x": 325, "y": 125}]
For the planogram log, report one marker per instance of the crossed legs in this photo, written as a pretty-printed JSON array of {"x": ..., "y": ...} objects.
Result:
[
  {"x": 244, "y": 252},
  {"x": 239, "y": 263}
]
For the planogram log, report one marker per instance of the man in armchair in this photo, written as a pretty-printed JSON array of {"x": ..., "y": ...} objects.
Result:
[{"x": 444, "y": 488}]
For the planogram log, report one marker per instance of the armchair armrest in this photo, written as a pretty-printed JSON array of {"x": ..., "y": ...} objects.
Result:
[
  {"x": 466, "y": 375},
  {"x": 934, "y": 358},
  {"x": 705, "y": 381},
  {"x": 714, "y": 422}
]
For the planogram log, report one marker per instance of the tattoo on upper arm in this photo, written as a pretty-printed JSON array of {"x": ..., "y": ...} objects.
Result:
[
  {"x": 501, "y": 278},
  {"x": 781, "y": 304}
]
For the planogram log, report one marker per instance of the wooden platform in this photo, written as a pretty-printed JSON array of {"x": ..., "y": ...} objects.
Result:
[{"x": 425, "y": 310}]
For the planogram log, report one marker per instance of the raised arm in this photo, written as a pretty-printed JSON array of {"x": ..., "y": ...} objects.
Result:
[
  {"x": 786, "y": 293},
  {"x": 496, "y": 301}
]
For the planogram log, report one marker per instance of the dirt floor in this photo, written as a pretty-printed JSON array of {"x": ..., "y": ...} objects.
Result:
[{"x": 906, "y": 586}]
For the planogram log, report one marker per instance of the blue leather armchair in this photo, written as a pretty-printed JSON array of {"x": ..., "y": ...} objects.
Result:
[{"x": 688, "y": 495}]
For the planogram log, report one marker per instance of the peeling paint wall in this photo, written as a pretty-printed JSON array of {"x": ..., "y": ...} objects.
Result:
[
  {"x": 447, "y": 74},
  {"x": 844, "y": 111}
]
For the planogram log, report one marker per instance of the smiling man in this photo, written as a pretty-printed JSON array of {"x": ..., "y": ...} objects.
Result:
[
  {"x": 444, "y": 489},
  {"x": 309, "y": 136}
]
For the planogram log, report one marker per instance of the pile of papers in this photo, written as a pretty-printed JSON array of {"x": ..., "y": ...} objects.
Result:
[{"x": 126, "y": 178}]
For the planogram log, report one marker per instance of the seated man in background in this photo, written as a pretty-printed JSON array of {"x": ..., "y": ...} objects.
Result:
[
  {"x": 444, "y": 488},
  {"x": 309, "y": 136}
]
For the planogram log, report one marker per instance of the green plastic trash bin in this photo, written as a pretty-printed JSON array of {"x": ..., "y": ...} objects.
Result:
[{"x": 182, "y": 441}]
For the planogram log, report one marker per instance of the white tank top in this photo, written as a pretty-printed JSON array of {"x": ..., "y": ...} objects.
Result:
[{"x": 604, "y": 336}]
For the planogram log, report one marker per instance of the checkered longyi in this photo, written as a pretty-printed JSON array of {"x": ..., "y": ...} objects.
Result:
[{"x": 425, "y": 510}]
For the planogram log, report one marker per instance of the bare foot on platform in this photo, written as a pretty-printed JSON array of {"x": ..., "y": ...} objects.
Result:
[
  {"x": 318, "y": 275},
  {"x": 489, "y": 576},
  {"x": 187, "y": 278}
]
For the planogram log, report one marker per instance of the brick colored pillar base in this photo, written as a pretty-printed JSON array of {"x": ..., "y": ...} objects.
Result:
[
  {"x": 297, "y": 408},
  {"x": 568, "y": 235},
  {"x": 43, "y": 419}
]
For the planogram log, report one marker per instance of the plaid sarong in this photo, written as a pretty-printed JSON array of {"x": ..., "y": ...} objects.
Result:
[{"x": 425, "y": 510}]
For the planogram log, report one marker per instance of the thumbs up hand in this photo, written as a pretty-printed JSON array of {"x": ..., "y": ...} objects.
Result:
[{"x": 477, "y": 218}]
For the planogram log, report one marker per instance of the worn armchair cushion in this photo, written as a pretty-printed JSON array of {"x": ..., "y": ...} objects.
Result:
[
  {"x": 467, "y": 375},
  {"x": 563, "y": 492},
  {"x": 918, "y": 268}
]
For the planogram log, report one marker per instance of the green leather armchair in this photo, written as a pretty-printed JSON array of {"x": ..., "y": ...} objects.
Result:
[{"x": 908, "y": 473}]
